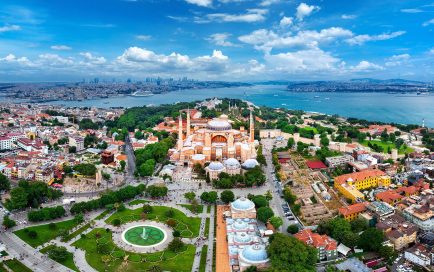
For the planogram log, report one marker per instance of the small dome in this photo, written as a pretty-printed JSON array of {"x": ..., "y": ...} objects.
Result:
[
  {"x": 242, "y": 204},
  {"x": 216, "y": 166},
  {"x": 240, "y": 225},
  {"x": 250, "y": 164},
  {"x": 232, "y": 163},
  {"x": 224, "y": 116},
  {"x": 254, "y": 254},
  {"x": 198, "y": 157},
  {"x": 242, "y": 238},
  {"x": 219, "y": 124}
]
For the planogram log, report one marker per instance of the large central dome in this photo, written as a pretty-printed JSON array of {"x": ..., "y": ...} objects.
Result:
[{"x": 219, "y": 124}]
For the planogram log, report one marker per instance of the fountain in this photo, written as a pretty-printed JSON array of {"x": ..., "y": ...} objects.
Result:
[{"x": 144, "y": 234}]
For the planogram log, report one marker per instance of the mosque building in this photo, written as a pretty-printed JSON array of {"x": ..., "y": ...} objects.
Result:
[{"x": 225, "y": 148}]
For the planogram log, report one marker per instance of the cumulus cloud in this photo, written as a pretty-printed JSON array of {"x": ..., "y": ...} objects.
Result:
[
  {"x": 251, "y": 16},
  {"x": 286, "y": 21},
  {"x": 397, "y": 60},
  {"x": 91, "y": 59},
  {"x": 8, "y": 28},
  {"x": 202, "y": 3},
  {"x": 304, "y": 10},
  {"x": 309, "y": 60},
  {"x": 11, "y": 58},
  {"x": 266, "y": 40},
  {"x": 366, "y": 66},
  {"x": 361, "y": 39},
  {"x": 221, "y": 39},
  {"x": 143, "y": 37},
  {"x": 266, "y": 3},
  {"x": 55, "y": 60},
  {"x": 60, "y": 47}
]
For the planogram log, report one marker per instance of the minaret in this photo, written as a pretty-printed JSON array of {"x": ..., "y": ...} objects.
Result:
[
  {"x": 423, "y": 122},
  {"x": 180, "y": 132},
  {"x": 252, "y": 127},
  {"x": 188, "y": 122}
]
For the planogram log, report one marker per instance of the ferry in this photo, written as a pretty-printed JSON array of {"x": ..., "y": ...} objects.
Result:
[{"x": 142, "y": 93}]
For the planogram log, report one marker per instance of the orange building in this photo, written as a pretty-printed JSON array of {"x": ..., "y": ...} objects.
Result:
[{"x": 352, "y": 212}]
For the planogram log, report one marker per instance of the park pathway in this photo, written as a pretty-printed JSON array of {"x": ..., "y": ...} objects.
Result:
[{"x": 210, "y": 254}]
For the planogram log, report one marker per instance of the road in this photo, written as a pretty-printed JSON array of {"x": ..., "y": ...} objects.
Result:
[{"x": 277, "y": 202}]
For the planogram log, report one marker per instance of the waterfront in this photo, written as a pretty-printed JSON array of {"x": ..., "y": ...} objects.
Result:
[{"x": 399, "y": 108}]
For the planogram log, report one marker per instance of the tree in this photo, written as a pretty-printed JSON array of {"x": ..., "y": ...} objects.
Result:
[
  {"x": 72, "y": 149},
  {"x": 251, "y": 269},
  {"x": 156, "y": 191},
  {"x": 116, "y": 222},
  {"x": 190, "y": 196},
  {"x": 18, "y": 198},
  {"x": 350, "y": 239},
  {"x": 79, "y": 218},
  {"x": 32, "y": 234},
  {"x": 386, "y": 252},
  {"x": 289, "y": 196},
  {"x": 176, "y": 245},
  {"x": 264, "y": 213},
  {"x": 293, "y": 229},
  {"x": 276, "y": 222},
  {"x": 8, "y": 223},
  {"x": 171, "y": 222},
  {"x": 268, "y": 195},
  {"x": 123, "y": 164},
  {"x": 359, "y": 224},
  {"x": 260, "y": 201},
  {"x": 210, "y": 197},
  {"x": 371, "y": 239},
  {"x": 227, "y": 196},
  {"x": 5, "y": 184},
  {"x": 59, "y": 254},
  {"x": 169, "y": 213},
  {"x": 147, "y": 208},
  {"x": 287, "y": 254}
]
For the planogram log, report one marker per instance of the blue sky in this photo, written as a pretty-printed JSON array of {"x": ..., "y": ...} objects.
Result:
[{"x": 68, "y": 40}]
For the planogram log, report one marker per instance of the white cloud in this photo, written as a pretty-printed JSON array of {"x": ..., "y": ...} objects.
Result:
[
  {"x": 54, "y": 60},
  {"x": 304, "y": 10},
  {"x": 60, "y": 47},
  {"x": 412, "y": 10},
  {"x": 266, "y": 3},
  {"x": 221, "y": 39},
  {"x": 348, "y": 16},
  {"x": 251, "y": 16},
  {"x": 143, "y": 37},
  {"x": 8, "y": 28},
  {"x": 91, "y": 59},
  {"x": 366, "y": 66},
  {"x": 431, "y": 51},
  {"x": 361, "y": 39},
  {"x": 202, "y": 3},
  {"x": 286, "y": 21},
  {"x": 427, "y": 23},
  {"x": 11, "y": 58},
  {"x": 397, "y": 60},
  {"x": 266, "y": 40},
  {"x": 309, "y": 60}
]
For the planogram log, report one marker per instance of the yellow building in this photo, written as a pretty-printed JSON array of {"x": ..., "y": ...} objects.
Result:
[
  {"x": 352, "y": 212},
  {"x": 349, "y": 185}
]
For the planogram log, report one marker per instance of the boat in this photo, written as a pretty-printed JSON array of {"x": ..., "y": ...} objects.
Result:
[
  {"x": 327, "y": 98},
  {"x": 142, "y": 93},
  {"x": 283, "y": 104},
  {"x": 275, "y": 95},
  {"x": 316, "y": 96}
]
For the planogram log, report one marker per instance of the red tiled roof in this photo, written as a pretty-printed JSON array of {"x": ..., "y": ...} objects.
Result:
[
  {"x": 359, "y": 175},
  {"x": 352, "y": 209},
  {"x": 388, "y": 196},
  {"x": 314, "y": 239},
  {"x": 316, "y": 165}
]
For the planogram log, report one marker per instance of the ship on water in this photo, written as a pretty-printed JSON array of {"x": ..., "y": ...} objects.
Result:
[{"x": 142, "y": 93}]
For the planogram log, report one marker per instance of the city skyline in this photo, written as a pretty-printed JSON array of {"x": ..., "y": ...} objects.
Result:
[{"x": 216, "y": 40}]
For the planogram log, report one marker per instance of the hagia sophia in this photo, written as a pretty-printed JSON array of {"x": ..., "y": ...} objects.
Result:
[{"x": 216, "y": 142}]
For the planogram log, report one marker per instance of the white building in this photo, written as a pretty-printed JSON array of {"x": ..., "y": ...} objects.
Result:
[
  {"x": 419, "y": 255},
  {"x": 5, "y": 143},
  {"x": 78, "y": 142},
  {"x": 338, "y": 160}
]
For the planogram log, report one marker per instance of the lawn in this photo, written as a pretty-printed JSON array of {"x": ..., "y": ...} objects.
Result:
[
  {"x": 77, "y": 232},
  {"x": 69, "y": 262},
  {"x": 191, "y": 208},
  {"x": 101, "y": 216},
  {"x": 187, "y": 226},
  {"x": 166, "y": 260},
  {"x": 207, "y": 227},
  {"x": 16, "y": 266},
  {"x": 208, "y": 209},
  {"x": 138, "y": 201},
  {"x": 44, "y": 233},
  {"x": 202, "y": 265},
  {"x": 386, "y": 145}
]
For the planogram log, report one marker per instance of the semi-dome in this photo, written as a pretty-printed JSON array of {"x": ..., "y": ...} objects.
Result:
[
  {"x": 216, "y": 166},
  {"x": 254, "y": 254},
  {"x": 242, "y": 237},
  {"x": 242, "y": 204},
  {"x": 250, "y": 164},
  {"x": 232, "y": 163},
  {"x": 198, "y": 157},
  {"x": 219, "y": 124},
  {"x": 240, "y": 225}
]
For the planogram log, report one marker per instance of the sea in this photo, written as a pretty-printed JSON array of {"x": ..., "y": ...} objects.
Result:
[{"x": 387, "y": 107}]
